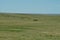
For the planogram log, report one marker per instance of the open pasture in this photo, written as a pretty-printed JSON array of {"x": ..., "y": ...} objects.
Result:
[{"x": 29, "y": 27}]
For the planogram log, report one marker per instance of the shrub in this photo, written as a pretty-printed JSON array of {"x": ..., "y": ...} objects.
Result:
[{"x": 35, "y": 19}]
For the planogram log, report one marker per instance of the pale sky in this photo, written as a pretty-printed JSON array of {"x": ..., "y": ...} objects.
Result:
[{"x": 30, "y": 6}]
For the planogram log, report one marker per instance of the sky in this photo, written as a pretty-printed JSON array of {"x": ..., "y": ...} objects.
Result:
[{"x": 30, "y": 6}]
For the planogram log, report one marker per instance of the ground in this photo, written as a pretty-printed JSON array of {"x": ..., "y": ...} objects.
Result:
[{"x": 25, "y": 27}]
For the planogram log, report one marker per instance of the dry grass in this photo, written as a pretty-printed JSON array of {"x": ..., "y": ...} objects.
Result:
[{"x": 23, "y": 27}]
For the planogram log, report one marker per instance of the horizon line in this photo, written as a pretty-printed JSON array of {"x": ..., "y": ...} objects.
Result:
[{"x": 29, "y": 13}]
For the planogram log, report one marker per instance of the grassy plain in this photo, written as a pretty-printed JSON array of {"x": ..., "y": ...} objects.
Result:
[{"x": 24, "y": 27}]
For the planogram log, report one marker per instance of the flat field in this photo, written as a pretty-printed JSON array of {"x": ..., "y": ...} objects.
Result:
[{"x": 29, "y": 27}]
